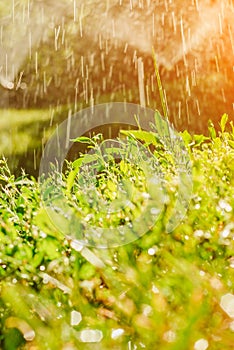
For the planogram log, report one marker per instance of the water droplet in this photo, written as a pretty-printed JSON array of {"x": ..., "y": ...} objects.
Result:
[
  {"x": 29, "y": 335},
  {"x": 88, "y": 285},
  {"x": 116, "y": 333},
  {"x": 232, "y": 262},
  {"x": 145, "y": 195},
  {"x": 169, "y": 336},
  {"x": 215, "y": 283},
  {"x": 91, "y": 336},
  {"x": 201, "y": 344},
  {"x": 231, "y": 326},
  {"x": 147, "y": 310},
  {"x": 227, "y": 304},
  {"x": 224, "y": 205},
  {"x": 207, "y": 235},
  {"x": 198, "y": 233},
  {"x": 154, "y": 211},
  {"x": 227, "y": 230},
  {"x": 155, "y": 290},
  {"x": 151, "y": 251},
  {"x": 76, "y": 318},
  {"x": 76, "y": 246},
  {"x": 43, "y": 234}
]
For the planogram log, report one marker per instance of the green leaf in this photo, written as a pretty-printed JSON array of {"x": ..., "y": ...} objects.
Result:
[
  {"x": 88, "y": 158},
  {"x": 72, "y": 174},
  {"x": 114, "y": 150},
  {"x": 223, "y": 122},
  {"x": 111, "y": 186},
  {"x": 71, "y": 178},
  {"x": 217, "y": 142},
  {"x": 49, "y": 246},
  {"x": 24, "y": 253},
  {"x": 77, "y": 163},
  {"x": 145, "y": 136},
  {"x": 87, "y": 271},
  {"x": 231, "y": 143},
  {"x": 187, "y": 138},
  {"x": 13, "y": 339},
  {"x": 212, "y": 130},
  {"x": 232, "y": 126},
  {"x": 199, "y": 139},
  {"x": 123, "y": 166},
  {"x": 37, "y": 259},
  {"x": 44, "y": 222},
  {"x": 82, "y": 139}
]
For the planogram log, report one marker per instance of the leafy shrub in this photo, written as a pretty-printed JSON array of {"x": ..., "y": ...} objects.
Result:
[{"x": 162, "y": 291}]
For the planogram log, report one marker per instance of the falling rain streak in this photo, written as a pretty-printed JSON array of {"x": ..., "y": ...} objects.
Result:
[
  {"x": 67, "y": 55},
  {"x": 141, "y": 82}
]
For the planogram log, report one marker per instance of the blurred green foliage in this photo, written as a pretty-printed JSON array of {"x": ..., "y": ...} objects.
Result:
[{"x": 161, "y": 292}]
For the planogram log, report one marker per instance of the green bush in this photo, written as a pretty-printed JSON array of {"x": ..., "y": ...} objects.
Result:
[{"x": 163, "y": 291}]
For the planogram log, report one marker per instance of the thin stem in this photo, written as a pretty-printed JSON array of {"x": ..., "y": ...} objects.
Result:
[{"x": 160, "y": 87}]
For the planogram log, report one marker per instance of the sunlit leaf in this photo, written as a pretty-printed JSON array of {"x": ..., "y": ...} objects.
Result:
[
  {"x": 212, "y": 130},
  {"x": 231, "y": 143},
  {"x": 82, "y": 139},
  {"x": 145, "y": 136},
  {"x": 223, "y": 122}
]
